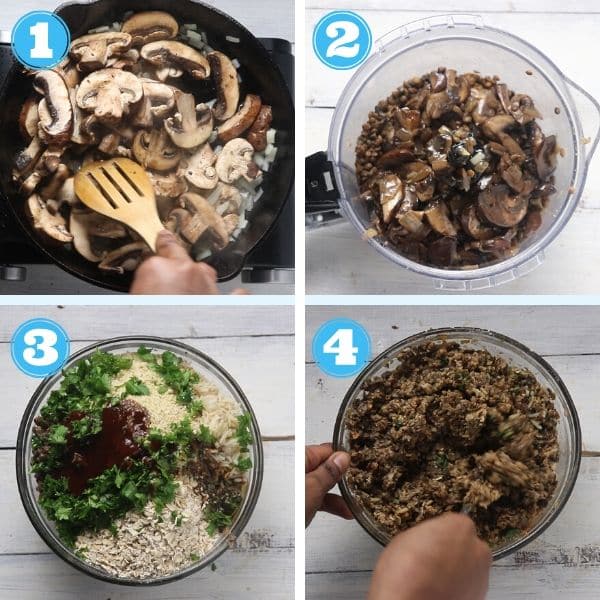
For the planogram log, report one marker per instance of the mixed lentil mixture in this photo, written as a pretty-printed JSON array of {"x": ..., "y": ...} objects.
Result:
[
  {"x": 140, "y": 462},
  {"x": 449, "y": 428},
  {"x": 455, "y": 169}
]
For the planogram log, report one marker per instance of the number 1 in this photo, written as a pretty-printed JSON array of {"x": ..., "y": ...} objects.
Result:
[
  {"x": 40, "y": 49},
  {"x": 341, "y": 344}
]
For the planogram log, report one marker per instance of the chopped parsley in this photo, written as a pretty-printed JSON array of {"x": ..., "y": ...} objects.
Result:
[
  {"x": 242, "y": 432},
  {"x": 244, "y": 463},
  {"x": 441, "y": 461},
  {"x": 217, "y": 520},
  {"x": 136, "y": 387},
  {"x": 194, "y": 557}
]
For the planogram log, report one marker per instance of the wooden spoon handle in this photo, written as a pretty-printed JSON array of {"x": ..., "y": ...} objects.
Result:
[{"x": 149, "y": 229}]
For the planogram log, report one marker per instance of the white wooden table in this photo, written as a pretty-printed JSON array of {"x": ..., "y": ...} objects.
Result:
[
  {"x": 565, "y": 561},
  {"x": 247, "y": 342},
  {"x": 337, "y": 261},
  {"x": 274, "y": 19}
]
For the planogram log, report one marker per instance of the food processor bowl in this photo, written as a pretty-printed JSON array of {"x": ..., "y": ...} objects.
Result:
[
  {"x": 464, "y": 43},
  {"x": 208, "y": 369},
  {"x": 517, "y": 355}
]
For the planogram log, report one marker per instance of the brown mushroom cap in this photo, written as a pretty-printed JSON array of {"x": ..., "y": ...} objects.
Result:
[
  {"x": 502, "y": 207},
  {"x": 92, "y": 51},
  {"x": 235, "y": 160},
  {"x": 150, "y": 26},
  {"x": 473, "y": 226},
  {"x": 176, "y": 57},
  {"x": 155, "y": 150},
  {"x": 109, "y": 93},
  {"x": 56, "y": 120},
  {"x": 242, "y": 120},
  {"x": 225, "y": 77},
  {"x": 257, "y": 135}
]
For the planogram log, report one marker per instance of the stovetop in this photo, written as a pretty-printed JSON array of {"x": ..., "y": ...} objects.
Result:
[{"x": 271, "y": 261}]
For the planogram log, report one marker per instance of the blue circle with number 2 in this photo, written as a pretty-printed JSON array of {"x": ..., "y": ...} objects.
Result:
[
  {"x": 40, "y": 347},
  {"x": 341, "y": 347},
  {"x": 342, "y": 40},
  {"x": 40, "y": 39}
]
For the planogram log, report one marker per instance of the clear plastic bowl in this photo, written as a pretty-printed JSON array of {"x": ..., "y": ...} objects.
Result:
[
  {"x": 462, "y": 42},
  {"x": 209, "y": 369},
  {"x": 568, "y": 428}
]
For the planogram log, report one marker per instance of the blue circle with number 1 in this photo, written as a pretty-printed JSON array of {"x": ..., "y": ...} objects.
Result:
[
  {"x": 40, "y": 347},
  {"x": 341, "y": 347},
  {"x": 342, "y": 40},
  {"x": 40, "y": 39}
]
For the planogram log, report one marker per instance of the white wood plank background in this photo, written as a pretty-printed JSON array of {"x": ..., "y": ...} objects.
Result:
[
  {"x": 565, "y": 561},
  {"x": 255, "y": 344},
  {"x": 336, "y": 260},
  {"x": 275, "y": 18}
]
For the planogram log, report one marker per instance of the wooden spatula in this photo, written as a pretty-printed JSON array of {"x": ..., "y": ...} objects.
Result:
[{"x": 119, "y": 188}]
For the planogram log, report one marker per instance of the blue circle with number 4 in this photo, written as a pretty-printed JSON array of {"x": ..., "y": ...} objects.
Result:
[
  {"x": 341, "y": 347},
  {"x": 40, "y": 39},
  {"x": 40, "y": 347},
  {"x": 342, "y": 40}
]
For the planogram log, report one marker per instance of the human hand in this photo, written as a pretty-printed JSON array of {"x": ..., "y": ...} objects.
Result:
[
  {"x": 439, "y": 559},
  {"x": 324, "y": 469},
  {"x": 172, "y": 271}
]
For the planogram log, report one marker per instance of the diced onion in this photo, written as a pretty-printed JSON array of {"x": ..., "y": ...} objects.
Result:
[
  {"x": 213, "y": 197},
  {"x": 232, "y": 39},
  {"x": 236, "y": 63},
  {"x": 271, "y": 136},
  {"x": 270, "y": 154},
  {"x": 202, "y": 254},
  {"x": 102, "y": 29},
  {"x": 190, "y": 26}
]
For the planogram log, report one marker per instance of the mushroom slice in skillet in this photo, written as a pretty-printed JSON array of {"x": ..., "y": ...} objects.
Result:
[
  {"x": 154, "y": 150},
  {"x": 242, "y": 120},
  {"x": 29, "y": 119},
  {"x": 192, "y": 125},
  {"x": 125, "y": 258},
  {"x": 87, "y": 226},
  {"x": 225, "y": 77},
  {"x": 438, "y": 218},
  {"x": 52, "y": 226},
  {"x": 56, "y": 120},
  {"x": 199, "y": 168},
  {"x": 173, "y": 58},
  {"x": 257, "y": 135},
  {"x": 150, "y": 26},
  {"x": 502, "y": 207},
  {"x": 92, "y": 51},
  {"x": 109, "y": 93},
  {"x": 235, "y": 161},
  {"x": 204, "y": 221}
]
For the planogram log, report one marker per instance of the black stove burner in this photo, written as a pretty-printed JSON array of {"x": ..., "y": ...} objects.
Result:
[{"x": 272, "y": 260}]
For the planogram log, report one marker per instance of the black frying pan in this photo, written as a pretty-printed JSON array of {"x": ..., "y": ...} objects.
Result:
[{"x": 260, "y": 75}]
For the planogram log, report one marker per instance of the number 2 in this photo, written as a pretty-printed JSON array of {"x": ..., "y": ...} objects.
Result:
[
  {"x": 341, "y": 344},
  {"x": 341, "y": 47},
  {"x": 40, "y": 340},
  {"x": 40, "y": 49}
]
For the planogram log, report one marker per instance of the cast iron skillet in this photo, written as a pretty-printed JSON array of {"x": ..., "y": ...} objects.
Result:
[{"x": 260, "y": 75}]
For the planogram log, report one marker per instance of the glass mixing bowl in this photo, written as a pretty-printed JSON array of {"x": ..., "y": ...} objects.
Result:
[
  {"x": 209, "y": 369},
  {"x": 463, "y": 43},
  {"x": 568, "y": 429}
]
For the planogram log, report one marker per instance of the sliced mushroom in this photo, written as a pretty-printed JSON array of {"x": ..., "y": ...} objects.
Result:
[
  {"x": 502, "y": 207},
  {"x": 439, "y": 219},
  {"x": 66, "y": 194},
  {"x": 52, "y": 226},
  {"x": 231, "y": 223},
  {"x": 171, "y": 185},
  {"x": 86, "y": 225},
  {"x": 497, "y": 125},
  {"x": 109, "y": 93},
  {"x": 155, "y": 150},
  {"x": 92, "y": 51},
  {"x": 109, "y": 143},
  {"x": 199, "y": 169},
  {"x": 391, "y": 193},
  {"x": 205, "y": 221},
  {"x": 225, "y": 77},
  {"x": 150, "y": 26},
  {"x": 128, "y": 60},
  {"x": 235, "y": 161},
  {"x": 242, "y": 120},
  {"x": 177, "y": 220},
  {"x": 257, "y": 135},
  {"x": 125, "y": 258},
  {"x": 394, "y": 158},
  {"x": 438, "y": 104},
  {"x": 443, "y": 252},
  {"x": 28, "y": 119},
  {"x": 27, "y": 158},
  {"x": 56, "y": 121},
  {"x": 57, "y": 180},
  {"x": 161, "y": 96},
  {"x": 173, "y": 58},
  {"x": 545, "y": 158},
  {"x": 79, "y": 135},
  {"x": 412, "y": 221},
  {"x": 522, "y": 109},
  {"x": 229, "y": 199},
  {"x": 192, "y": 125},
  {"x": 474, "y": 227}
]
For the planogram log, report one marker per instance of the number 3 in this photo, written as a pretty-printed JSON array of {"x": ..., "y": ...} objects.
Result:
[
  {"x": 40, "y": 340},
  {"x": 350, "y": 33},
  {"x": 341, "y": 344},
  {"x": 40, "y": 49}
]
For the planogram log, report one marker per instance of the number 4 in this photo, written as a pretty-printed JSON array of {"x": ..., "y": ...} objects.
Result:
[
  {"x": 40, "y": 49},
  {"x": 341, "y": 344}
]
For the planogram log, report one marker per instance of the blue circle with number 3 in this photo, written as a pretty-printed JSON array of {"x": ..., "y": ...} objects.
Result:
[
  {"x": 40, "y": 347},
  {"x": 341, "y": 347},
  {"x": 40, "y": 39},
  {"x": 342, "y": 40}
]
